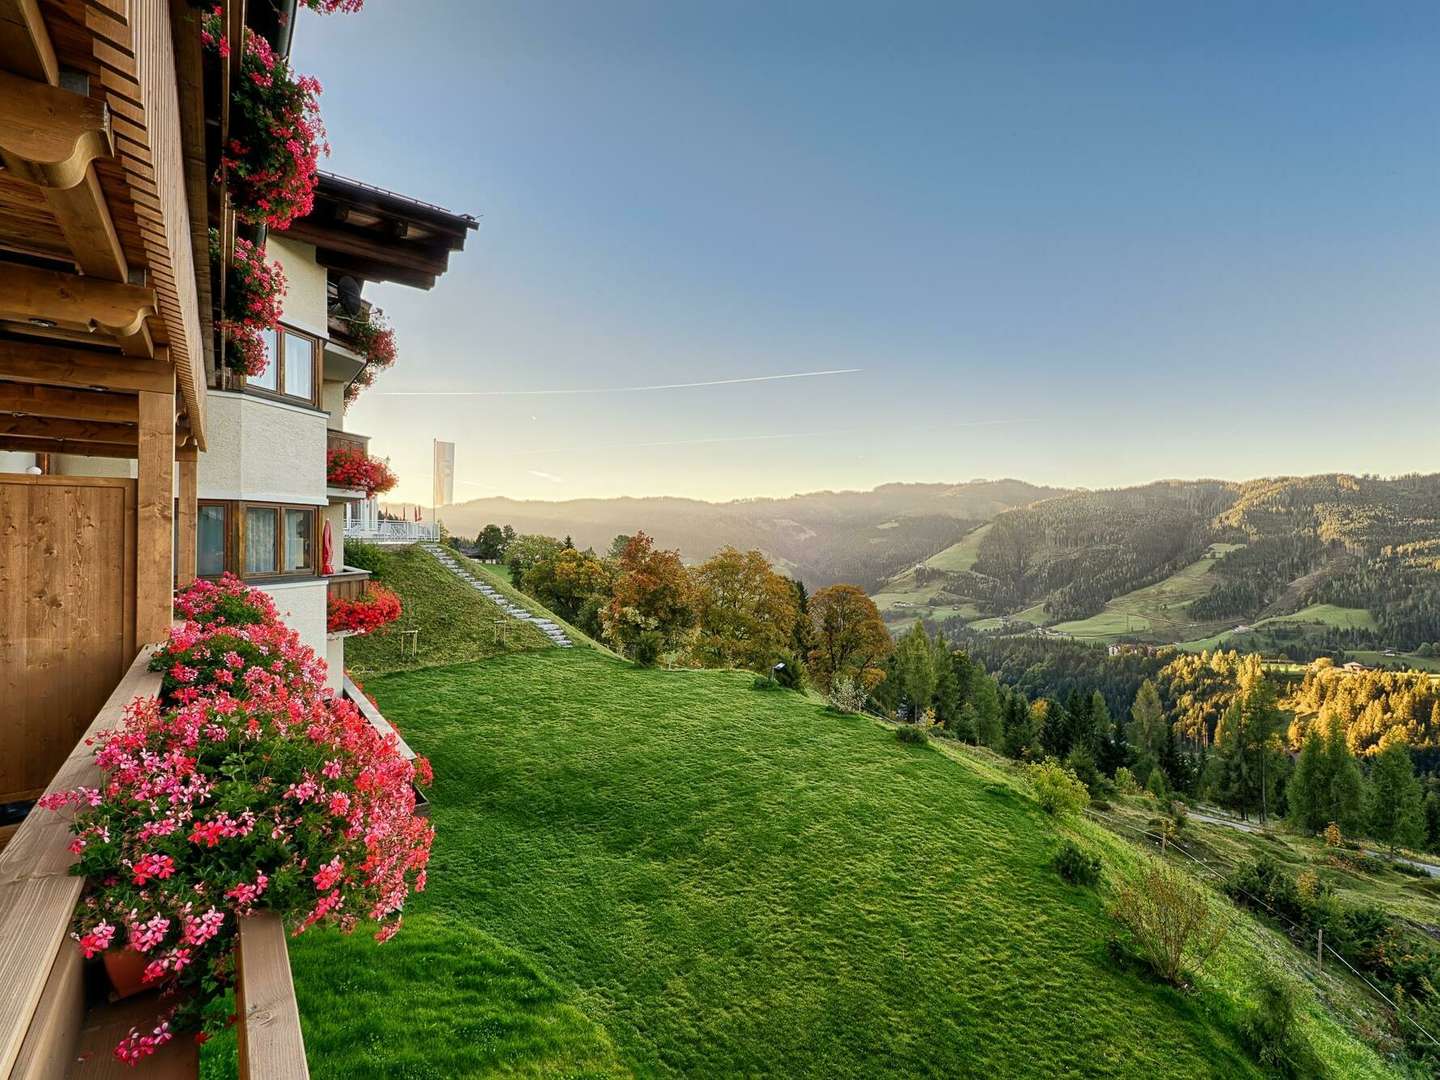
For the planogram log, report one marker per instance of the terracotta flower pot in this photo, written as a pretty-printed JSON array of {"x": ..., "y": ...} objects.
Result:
[{"x": 126, "y": 969}]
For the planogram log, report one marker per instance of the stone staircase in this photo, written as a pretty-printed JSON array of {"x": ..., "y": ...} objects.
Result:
[{"x": 548, "y": 627}]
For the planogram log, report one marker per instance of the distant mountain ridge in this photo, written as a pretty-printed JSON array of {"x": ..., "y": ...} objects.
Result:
[
  {"x": 1356, "y": 560},
  {"x": 821, "y": 537}
]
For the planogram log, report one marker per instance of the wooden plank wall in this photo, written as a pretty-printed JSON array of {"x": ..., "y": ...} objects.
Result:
[
  {"x": 133, "y": 46},
  {"x": 67, "y": 569}
]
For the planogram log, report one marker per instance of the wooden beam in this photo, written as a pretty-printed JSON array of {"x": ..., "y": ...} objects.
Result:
[
  {"x": 27, "y": 362},
  {"x": 24, "y": 44},
  {"x": 155, "y": 510},
  {"x": 272, "y": 1046},
  {"x": 46, "y": 427},
  {"x": 27, "y": 400},
  {"x": 84, "y": 219},
  {"x": 27, "y": 445},
  {"x": 372, "y": 269},
  {"x": 186, "y": 514},
  {"x": 49, "y": 136},
  {"x": 74, "y": 302},
  {"x": 371, "y": 244}
]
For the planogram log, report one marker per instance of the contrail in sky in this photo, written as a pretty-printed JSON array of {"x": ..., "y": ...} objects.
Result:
[{"x": 618, "y": 389}]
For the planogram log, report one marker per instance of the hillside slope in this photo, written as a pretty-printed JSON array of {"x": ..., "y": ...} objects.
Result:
[
  {"x": 821, "y": 537},
  {"x": 695, "y": 878},
  {"x": 1187, "y": 560}
]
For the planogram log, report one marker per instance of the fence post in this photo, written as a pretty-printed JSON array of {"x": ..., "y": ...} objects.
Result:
[{"x": 1320, "y": 948}]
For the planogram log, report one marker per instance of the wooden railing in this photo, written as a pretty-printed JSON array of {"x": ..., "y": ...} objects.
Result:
[
  {"x": 349, "y": 584},
  {"x": 346, "y": 440},
  {"x": 48, "y": 1028}
]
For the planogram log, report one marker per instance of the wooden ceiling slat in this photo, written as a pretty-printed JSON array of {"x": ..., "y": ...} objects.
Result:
[
  {"x": 51, "y": 427},
  {"x": 52, "y": 365},
  {"x": 31, "y": 400}
]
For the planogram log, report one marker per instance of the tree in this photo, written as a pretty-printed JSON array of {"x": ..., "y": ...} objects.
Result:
[
  {"x": 989, "y": 719},
  {"x": 747, "y": 612},
  {"x": 1020, "y": 726},
  {"x": 1344, "y": 792},
  {"x": 1170, "y": 920},
  {"x": 573, "y": 584},
  {"x": 1248, "y": 761},
  {"x": 914, "y": 666},
  {"x": 523, "y": 552},
  {"x": 1305, "y": 791},
  {"x": 490, "y": 544},
  {"x": 1147, "y": 730},
  {"x": 652, "y": 593},
  {"x": 802, "y": 635},
  {"x": 1397, "y": 815},
  {"x": 850, "y": 637}
]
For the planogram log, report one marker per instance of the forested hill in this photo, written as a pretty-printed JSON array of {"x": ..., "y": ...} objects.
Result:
[
  {"x": 822, "y": 537},
  {"x": 1338, "y": 560}
]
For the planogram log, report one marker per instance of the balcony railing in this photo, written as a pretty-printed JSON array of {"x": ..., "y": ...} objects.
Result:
[
  {"x": 48, "y": 1021},
  {"x": 393, "y": 532},
  {"x": 347, "y": 440},
  {"x": 349, "y": 584}
]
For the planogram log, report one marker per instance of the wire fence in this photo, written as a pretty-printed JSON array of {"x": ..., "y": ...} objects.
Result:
[{"x": 1169, "y": 843}]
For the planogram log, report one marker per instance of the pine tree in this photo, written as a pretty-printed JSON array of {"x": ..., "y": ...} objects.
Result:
[
  {"x": 1305, "y": 791},
  {"x": 1397, "y": 816},
  {"x": 1345, "y": 798},
  {"x": 915, "y": 670},
  {"x": 989, "y": 718},
  {"x": 947, "y": 695},
  {"x": 1147, "y": 730}
]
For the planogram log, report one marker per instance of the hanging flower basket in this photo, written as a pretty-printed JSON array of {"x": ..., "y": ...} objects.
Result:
[
  {"x": 246, "y": 785},
  {"x": 276, "y": 138},
  {"x": 357, "y": 469},
  {"x": 375, "y": 342},
  {"x": 253, "y": 296},
  {"x": 329, "y": 7},
  {"x": 378, "y": 607}
]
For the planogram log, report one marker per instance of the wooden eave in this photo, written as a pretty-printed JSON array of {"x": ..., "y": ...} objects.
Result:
[{"x": 378, "y": 235}]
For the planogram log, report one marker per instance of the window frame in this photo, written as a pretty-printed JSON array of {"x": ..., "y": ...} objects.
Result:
[
  {"x": 317, "y": 352},
  {"x": 227, "y": 531},
  {"x": 236, "y": 514}
]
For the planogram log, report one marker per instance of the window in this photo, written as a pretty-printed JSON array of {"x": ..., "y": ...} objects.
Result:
[
  {"x": 211, "y": 530},
  {"x": 255, "y": 540},
  {"x": 261, "y": 540},
  {"x": 299, "y": 524},
  {"x": 291, "y": 371}
]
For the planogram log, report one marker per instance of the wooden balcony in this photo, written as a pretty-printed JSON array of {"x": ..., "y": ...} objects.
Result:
[
  {"x": 349, "y": 584},
  {"x": 51, "y": 1023},
  {"x": 346, "y": 440}
]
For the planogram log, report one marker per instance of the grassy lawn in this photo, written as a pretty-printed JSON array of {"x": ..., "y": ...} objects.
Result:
[
  {"x": 1158, "y": 610},
  {"x": 670, "y": 873},
  {"x": 456, "y": 623},
  {"x": 1035, "y": 615}
]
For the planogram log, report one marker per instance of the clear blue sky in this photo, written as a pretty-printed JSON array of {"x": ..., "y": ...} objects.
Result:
[{"x": 1133, "y": 240}]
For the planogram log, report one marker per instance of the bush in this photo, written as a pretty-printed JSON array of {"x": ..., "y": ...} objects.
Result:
[
  {"x": 1125, "y": 782},
  {"x": 647, "y": 648},
  {"x": 1156, "y": 785},
  {"x": 1075, "y": 866},
  {"x": 792, "y": 675},
  {"x": 1271, "y": 1032},
  {"x": 365, "y": 556},
  {"x": 1057, "y": 789},
  {"x": 912, "y": 733},
  {"x": 846, "y": 695},
  {"x": 1170, "y": 920},
  {"x": 762, "y": 683}
]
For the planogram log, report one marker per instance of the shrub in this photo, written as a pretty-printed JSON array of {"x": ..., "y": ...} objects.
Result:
[
  {"x": 846, "y": 695},
  {"x": 1057, "y": 789},
  {"x": 1075, "y": 866},
  {"x": 912, "y": 733},
  {"x": 792, "y": 675},
  {"x": 1125, "y": 782},
  {"x": 1271, "y": 1032},
  {"x": 1156, "y": 785},
  {"x": 365, "y": 556},
  {"x": 245, "y": 786},
  {"x": 648, "y": 644},
  {"x": 763, "y": 683},
  {"x": 1170, "y": 920}
]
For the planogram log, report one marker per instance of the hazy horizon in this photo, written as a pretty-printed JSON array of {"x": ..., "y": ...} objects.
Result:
[{"x": 751, "y": 250}]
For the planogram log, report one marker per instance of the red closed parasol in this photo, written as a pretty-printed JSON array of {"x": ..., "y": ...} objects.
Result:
[{"x": 327, "y": 550}]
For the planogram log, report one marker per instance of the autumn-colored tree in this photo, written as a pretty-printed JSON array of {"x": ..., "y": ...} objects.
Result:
[
  {"x": 573, "y": 584},
  {"x": 523, "y": 552},
  {"x": 652, "y": 592},
  {"x": 747, "y": 611},
  {"x": 850, "y": 636}
]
